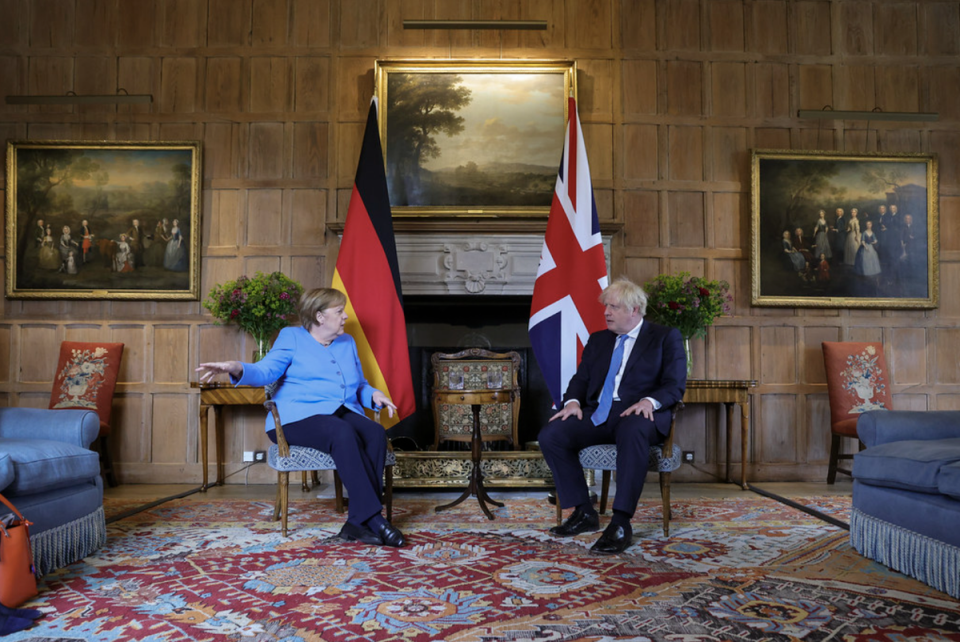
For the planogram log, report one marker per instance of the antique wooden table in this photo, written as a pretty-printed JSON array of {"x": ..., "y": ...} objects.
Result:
[
  {"x": 476, "y": 399},
  {"x": 216, "y": 395},
  {"x": 726, "y": 393}
]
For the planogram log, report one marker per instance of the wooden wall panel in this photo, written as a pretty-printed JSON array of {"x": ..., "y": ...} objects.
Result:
[
  {"x": 639, "y": 87},
  {"x": 856, "y": 24},
  {"x": 684, "y": 88},
  {"x": 686, "y": 153},
  {"x": 813, "y": 27},
  {"x": 769, "y": 22},
  {"x": 681, "y": 24},
  {"x": 641, "y": 219},
  {"x": 941, "y": 28},
  {"x": 271, "y": 84},
  {"x": 672, "y": 93},
  {"x": 725, "y": 20},
  {"x": 638, "y": 25},
  {"x": 895, "y": 28}
]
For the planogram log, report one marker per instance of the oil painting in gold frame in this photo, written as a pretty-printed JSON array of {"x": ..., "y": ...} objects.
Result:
[
  {"x": 474, "y": 138},
  {"x": 103, "y": 220},
  {"x": 840, "y": 230}
]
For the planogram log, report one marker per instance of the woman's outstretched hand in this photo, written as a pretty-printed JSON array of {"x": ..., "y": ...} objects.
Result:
[
  {"x": 209, "y": 371},
  {"x": 380, "y": 400}
]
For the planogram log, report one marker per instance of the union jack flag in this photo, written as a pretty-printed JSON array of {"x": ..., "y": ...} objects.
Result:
[{"x": 573, "y": 272}]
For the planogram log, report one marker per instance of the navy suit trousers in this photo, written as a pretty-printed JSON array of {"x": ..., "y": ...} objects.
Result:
[
  {"x": 561, "y": 442},
  {"x": 358, "y": 447}
]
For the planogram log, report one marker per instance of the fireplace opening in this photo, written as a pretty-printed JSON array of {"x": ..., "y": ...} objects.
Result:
[{"x": 451, "y": 323}]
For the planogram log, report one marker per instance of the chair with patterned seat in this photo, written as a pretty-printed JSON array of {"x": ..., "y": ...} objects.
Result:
[
  {"x": 665, "y": 458},
  {"x": 286, "y": 459},
  {"x": 86, "y": 379},
  {"x": 857, "y": 379}
]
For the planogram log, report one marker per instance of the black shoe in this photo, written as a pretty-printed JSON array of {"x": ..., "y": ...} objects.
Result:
[
  {"x": 578, "y": 522},
  {"x": 615, "y": 540},
  {"x": 353, "y": 533},
  {"x": 390, "y": 535}
]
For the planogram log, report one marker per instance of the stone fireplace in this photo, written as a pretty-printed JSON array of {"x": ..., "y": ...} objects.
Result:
[{"x": 464, "y": 290}]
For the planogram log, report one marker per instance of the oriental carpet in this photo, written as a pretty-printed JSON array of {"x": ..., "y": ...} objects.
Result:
[{"x": 733, "y": 569}]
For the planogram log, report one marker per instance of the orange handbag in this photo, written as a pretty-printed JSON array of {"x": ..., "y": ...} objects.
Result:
[{"x": 17, "y": 580}]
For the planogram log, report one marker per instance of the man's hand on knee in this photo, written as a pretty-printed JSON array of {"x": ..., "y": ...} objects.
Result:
[
  {"x": 643, "y": 407},
  {"x": 572, "y": 409}
]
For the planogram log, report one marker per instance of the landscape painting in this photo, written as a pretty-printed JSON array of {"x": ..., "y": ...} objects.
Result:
[
  {"x": 473, "y": 137},
  {"x": 844, "y": 230},
  {"x": 105, "y": 220}
]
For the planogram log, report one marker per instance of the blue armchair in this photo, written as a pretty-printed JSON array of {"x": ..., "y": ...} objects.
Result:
[{"x": 48, "y": 472}]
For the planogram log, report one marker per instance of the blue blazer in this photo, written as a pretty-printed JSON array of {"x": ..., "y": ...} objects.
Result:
[
  {"x": 316, "y": 379},
  {"x": 657, "y": 368}
]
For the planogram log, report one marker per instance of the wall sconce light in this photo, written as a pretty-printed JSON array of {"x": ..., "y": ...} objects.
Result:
[
  {"x": 528, "y": 25},
  {"x": 828, "y": 113},
  {"x": 70, "y": 98}
]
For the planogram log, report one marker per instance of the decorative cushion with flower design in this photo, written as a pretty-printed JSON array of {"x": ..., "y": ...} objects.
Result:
[
  {"x": 857, "y": 381},
  {"x": 86, "y": 377}
]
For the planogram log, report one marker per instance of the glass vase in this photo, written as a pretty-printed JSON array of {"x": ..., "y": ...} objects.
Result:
[
  {"x": 262, "y": 347},
  {"x": 689, "y": 353}
]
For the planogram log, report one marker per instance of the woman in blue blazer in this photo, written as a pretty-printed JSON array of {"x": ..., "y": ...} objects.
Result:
[{"x": 321, "y": 397}]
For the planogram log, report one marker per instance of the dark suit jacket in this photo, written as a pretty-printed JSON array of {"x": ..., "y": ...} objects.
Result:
[{"x": 657, "y": 368}]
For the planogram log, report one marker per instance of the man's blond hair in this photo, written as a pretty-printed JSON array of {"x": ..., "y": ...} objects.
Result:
[{"x": 627, "y": 293}]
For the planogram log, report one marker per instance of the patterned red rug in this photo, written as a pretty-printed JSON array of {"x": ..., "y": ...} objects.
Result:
[{"x": 734, "y": 569}]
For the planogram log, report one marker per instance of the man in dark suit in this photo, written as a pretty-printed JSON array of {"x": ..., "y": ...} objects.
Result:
[{"x": 647, "y": 377}]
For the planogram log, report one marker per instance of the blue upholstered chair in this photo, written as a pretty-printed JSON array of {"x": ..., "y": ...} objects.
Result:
[
  {"x": 664, "y": 458},
  {"x": 286, "y": 459}
]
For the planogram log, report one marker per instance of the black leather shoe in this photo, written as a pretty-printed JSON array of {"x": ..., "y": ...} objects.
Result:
[
  {"x": 390, "y": 535},
  {"x": 578, "y": 522},
  {"x": 615, "y": 540},
  {"x": 353, "y": 533}
]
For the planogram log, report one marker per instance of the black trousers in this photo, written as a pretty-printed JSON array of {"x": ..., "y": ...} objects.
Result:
[
  {"x": 359, "y": 449},
  {"x": 561, "y": 442}
]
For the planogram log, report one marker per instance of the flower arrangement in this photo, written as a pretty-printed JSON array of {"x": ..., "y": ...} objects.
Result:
[
  {"x": 688, "y": 303},
  {"x": 261, "y": 305}
]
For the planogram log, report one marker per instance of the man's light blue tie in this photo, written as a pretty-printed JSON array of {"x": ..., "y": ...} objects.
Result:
[{"x": 606, "y": 395}]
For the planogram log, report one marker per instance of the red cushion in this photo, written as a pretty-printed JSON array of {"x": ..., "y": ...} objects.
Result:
[
  {"x": 857, "y": 379},
  {"x": 86, "y": 377}
]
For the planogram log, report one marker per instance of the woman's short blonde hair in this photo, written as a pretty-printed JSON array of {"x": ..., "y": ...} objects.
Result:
[
  {"x": 318, "y": 300},
  {"x": 626, "y": 293}
]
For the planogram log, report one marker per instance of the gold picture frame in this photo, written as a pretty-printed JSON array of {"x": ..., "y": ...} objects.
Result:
[
  {"x": 473, "y": 137},
  {"x": 876, "y": 244},
  {"x": 103, "y": 220}
]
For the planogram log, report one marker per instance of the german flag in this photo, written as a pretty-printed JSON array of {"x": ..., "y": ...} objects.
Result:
[{"x": 368, "y": 273}]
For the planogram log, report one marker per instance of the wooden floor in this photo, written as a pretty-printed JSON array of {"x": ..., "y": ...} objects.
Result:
[{"x": 651, "y": 491}]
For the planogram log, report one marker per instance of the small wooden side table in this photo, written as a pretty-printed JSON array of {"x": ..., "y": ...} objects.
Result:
[
  {"x": 726, "y": 393},
  {"x": 476, "y": 399},
  {"x": 217, "y": 395}
]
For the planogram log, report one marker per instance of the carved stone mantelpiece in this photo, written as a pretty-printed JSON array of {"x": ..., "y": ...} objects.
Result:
[{"x": 471, "y": 264}]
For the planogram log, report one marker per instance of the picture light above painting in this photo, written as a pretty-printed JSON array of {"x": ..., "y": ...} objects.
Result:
[
  {"x": 473, "y": 138},
  {"x": 103, "y": 220},
  {"x": 836, "y": 230}
]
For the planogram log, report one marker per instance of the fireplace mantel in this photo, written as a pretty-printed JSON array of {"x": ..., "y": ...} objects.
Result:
[{"x": 481, "y": 264}]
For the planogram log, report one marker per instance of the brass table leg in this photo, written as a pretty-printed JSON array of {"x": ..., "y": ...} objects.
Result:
[{"x": 475, "y": 487}]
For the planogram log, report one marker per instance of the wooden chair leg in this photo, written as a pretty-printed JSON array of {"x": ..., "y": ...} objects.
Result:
[
  {"x": 834, "y": 457},
  {"x": 665, "y": 499},
  {"x": 106, "y": 462},
  {"x": 304, "y": 486},
  {"x": 279, "y": 501},
  {"x": 316, "y": 477},
  {"x": 388, "y": 492},
  {"x": 338, "y": 489},
  {"x": 604, "y": 491},
  {"x": 284, "y": 502}
]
